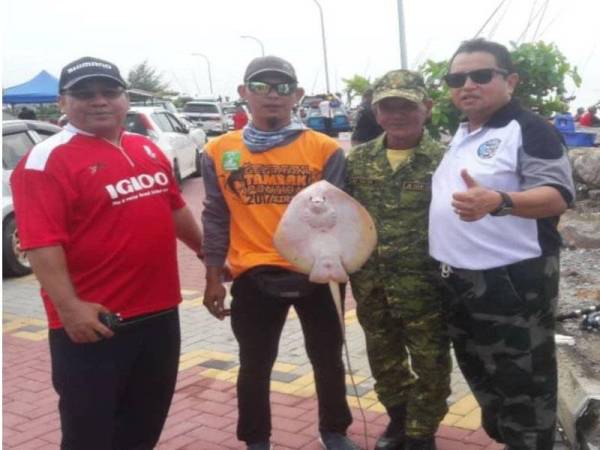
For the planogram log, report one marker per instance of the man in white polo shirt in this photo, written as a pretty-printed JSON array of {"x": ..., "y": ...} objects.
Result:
[{"x": 496, "y": 199}]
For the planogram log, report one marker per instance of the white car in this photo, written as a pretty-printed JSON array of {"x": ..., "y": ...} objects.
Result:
[
  {"x": 182, "y": 146},
  {"x": 208, "y": 114},
  {"x": 18, "y": 137}
]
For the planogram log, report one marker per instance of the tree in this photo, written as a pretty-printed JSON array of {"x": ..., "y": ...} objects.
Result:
[
  {"x": 145, "y": 77},
  {"x": 542, "y": 70},
  {"x": 355, "y": 86}
]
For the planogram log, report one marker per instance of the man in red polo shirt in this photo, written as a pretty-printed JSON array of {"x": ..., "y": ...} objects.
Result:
[{"x": 98, "y": 213}]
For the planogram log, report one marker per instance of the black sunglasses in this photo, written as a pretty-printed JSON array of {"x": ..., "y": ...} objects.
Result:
[
  {"x": 87, "y": 94},
  {"x": 479, "y": 76},
  {"x": 262, "y": 88}
]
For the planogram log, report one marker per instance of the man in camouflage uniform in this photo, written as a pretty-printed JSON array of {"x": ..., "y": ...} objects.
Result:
[
  {"x": 496, "y": 199},
  {"x": 399, "y": 303}
]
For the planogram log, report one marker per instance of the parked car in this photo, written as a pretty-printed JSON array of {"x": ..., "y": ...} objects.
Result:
[
  {"x": 182, "y": 146},
  {"x": 207, "y": 113},
  {"x": 18, "y": 137}
]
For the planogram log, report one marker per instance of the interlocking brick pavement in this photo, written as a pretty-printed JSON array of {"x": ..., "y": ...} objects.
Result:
[{"x": 203, "y": 413}]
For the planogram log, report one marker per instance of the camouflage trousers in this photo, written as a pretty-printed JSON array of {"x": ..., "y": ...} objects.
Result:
[
  {"x": 407, "y": 346},
  {"x": 501, "y": 322}
]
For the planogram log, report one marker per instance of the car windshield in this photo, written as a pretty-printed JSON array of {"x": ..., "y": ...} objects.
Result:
[
  {"x": 14, "y": 147},
  {"x": 201, "y": 108}
]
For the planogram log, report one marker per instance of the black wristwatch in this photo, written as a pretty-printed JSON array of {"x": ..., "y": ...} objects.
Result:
[{"x": 505, "y": 207}]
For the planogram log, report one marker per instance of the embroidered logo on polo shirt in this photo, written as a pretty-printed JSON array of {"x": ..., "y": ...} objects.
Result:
[
  {"x": 231, "y": 160},
  {"x": 488, "y": 149},
  {"x": 149, "y": 151}
]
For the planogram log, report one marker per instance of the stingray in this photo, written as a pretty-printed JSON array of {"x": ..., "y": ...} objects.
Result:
[{"x": 326, "y": 234}]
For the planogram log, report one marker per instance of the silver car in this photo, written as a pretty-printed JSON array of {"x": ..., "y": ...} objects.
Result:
[
  {"x": 208, "y": 114},
  {"x": 18, "y": 137}
]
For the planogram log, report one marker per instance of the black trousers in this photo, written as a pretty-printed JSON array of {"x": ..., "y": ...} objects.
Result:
[
  {"x": 115, "y": 394},
  {"x": 257, "y": 320}
]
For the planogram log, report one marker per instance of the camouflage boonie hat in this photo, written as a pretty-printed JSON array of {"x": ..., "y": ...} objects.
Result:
[{"x": 400, "y": 84}]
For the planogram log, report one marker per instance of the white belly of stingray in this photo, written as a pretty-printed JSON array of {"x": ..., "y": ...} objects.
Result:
[{"x": 325, "y": 233}]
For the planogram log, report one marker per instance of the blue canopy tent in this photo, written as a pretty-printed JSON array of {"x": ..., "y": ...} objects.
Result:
[{"x": 43, "y": 88}]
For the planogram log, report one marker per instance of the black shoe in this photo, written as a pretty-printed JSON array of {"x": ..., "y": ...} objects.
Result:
[
  {"x": 393, "y": 436},
  {"x": 419, "y": 444},
  {"x": 336, "y": 441},
  {"x": 390, "y": 442}
]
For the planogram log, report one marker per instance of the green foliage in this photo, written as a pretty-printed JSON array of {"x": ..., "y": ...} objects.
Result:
[
  {"x": 444, "y": 116},
  {"x": 145, "y": 77},
  {"x": 355, "y": 86},
  {"x": 180, "y": 101},
  {"x": 542, "y": 70}
]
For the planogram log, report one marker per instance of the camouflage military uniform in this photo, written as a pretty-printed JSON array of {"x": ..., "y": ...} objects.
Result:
[
  {"x": 398, "y": 295},
  {"x": 508, "y": 353}
]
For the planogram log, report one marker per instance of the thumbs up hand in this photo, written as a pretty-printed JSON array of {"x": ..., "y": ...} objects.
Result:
[{"x": 476, "y": 202}]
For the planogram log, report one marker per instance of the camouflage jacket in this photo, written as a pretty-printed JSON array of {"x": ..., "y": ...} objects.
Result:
[{"x": 397, "y": 200}]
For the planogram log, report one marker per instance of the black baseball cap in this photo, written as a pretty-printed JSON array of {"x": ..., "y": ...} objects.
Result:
[
  {"x": 264, "y": 64},
  {"x": 88, "y": 67}
]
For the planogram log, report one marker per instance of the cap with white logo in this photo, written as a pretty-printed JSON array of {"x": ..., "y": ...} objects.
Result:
[{"x": 88, "y": 67}]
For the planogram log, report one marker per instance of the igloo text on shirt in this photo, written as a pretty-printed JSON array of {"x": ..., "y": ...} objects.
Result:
[{"x": 139, "y": 183}]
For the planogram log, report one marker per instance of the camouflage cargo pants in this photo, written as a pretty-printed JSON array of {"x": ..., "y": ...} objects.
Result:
[
  {"x": 407, "y": 346},
  {"x": 501, "y": 322}
]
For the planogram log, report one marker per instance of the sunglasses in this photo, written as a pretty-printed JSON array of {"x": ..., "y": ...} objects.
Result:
[
  {"x": 479, "y": 76},
  {"x": 85, "y": 94},
  {"x": 261, "y": 88}
]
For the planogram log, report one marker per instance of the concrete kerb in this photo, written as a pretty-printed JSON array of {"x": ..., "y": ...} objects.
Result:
[{"x": 578, "y": 403}]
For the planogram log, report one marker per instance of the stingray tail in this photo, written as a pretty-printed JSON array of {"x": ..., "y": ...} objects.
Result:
[{"x": 337, "y": 300}]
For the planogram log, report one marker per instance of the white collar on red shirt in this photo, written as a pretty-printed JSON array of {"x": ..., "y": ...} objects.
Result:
[{"x": 74, "y": 129}]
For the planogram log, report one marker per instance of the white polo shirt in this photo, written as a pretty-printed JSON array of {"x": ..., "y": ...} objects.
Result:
[{"x": 514, "y": 151}]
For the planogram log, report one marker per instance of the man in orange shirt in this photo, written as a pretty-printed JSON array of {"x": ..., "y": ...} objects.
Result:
[{"x": 250, "y": 176}]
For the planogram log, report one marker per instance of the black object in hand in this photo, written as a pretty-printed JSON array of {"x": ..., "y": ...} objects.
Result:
[{"x": 110, "y": 320}]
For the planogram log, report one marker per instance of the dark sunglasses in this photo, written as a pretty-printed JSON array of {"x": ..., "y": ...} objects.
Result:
[
  {"x": 261, "y": 88},
  {"x": 85, "y": 94},
  {"x": 479, "y": 76}
]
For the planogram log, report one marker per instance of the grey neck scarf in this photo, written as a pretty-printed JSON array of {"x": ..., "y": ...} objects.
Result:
[{"x": 260, "y": 141}]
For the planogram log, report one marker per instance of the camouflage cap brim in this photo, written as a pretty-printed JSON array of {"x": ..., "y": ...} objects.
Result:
[{"x": 408, "y": 94}]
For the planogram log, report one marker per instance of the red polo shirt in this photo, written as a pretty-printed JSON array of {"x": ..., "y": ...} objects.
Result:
[{"x": 110, "y": 208}]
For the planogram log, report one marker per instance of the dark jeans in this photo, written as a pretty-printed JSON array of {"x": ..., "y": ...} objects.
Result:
[
  {"x": 257, "y": 321},
  {"x": 115, "y": 394}
]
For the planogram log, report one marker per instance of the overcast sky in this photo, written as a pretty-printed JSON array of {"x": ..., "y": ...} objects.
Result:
[{"x": 362, "y": 36}]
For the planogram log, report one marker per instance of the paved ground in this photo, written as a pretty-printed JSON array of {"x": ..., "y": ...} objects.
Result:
[{"x": 203, "y": 413}]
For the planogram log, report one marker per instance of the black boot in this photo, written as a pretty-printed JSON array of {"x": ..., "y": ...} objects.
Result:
[
  {"x": 393, "y": 436},
  {"x": 419, "y": 444}
]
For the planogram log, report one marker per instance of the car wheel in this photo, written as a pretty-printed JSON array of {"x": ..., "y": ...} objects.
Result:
[
  {"x": 15, "y": 262},
  {"x": 198, "y": 172},
  {"x": 177, "y": 173}
]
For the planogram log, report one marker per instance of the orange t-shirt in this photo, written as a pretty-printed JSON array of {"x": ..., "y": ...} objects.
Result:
[{"x": 257, "y": 188}]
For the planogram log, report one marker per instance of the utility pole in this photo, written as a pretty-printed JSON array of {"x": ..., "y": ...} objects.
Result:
[
  {"x": 324, "y": 46},
  {"x": 401, "y": 30}
]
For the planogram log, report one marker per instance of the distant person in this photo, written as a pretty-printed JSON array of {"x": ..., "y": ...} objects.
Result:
[
  {"x": 325, "y": 110},
  {"x": 98, "y": 212},
  {"x": 580, "y": 112},
  {"x": 497, "y": 197},
  {"x": 366, "y": 128},
  {"x": 589, "y": 119},
  {"x": 240, "y": 118},
  {"x": 27, "y": 114}
]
